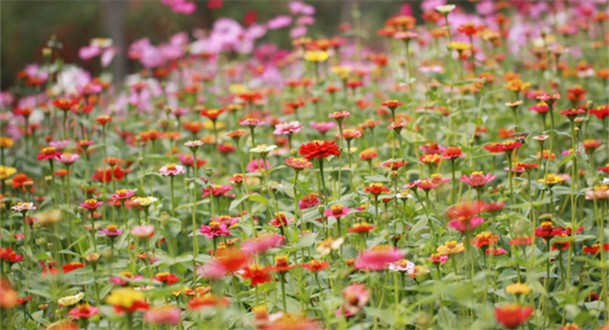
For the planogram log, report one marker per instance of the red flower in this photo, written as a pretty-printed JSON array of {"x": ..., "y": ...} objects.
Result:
[
  {"x": 64, "y": 104},
  {"x": 212, "y": 113},
  {"x": 595, "y": 247},
  {"x": 258, "y": 274},
  {"x": 572, "y": 113},
  {"x": 470, "y": 28},
  {"x": 10, "y": 255},
  {"x": 83, "y": 311},
  {"x": 109, "y": 174},
  {"x": 512, "y": 315},
  {"x": 376, "y": 189},
  {"x": 601, "y": 111},
  {"x": 316, "y": 265},
  {"x": 319, "y": 149},
  {"x": 72, "y": 266},
  {"x": 167, "y": 278},
  {"x": 281, "y": 265}
]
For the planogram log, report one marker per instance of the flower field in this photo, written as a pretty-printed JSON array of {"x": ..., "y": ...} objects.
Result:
[{"x": 442, "y": 170}]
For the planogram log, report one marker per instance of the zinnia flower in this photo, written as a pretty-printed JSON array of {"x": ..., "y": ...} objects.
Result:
[{"x": 512, "y": 315}]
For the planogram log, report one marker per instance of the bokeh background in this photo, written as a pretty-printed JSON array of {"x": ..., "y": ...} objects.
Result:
[{"x": 26, "y": 25}]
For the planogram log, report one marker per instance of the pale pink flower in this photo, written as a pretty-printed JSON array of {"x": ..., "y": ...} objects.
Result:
[
  {"x": 172, "y": 169},
  {"x": 142, "y": 231},
  {"x": 478, "y": 179},
  {"x": 288, "y": 128},
  {"x": 337, "y": 211},
  {"x": 167, "y": 314}
]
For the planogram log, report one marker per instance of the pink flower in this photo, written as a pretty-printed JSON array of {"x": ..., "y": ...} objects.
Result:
[
  {"x": 496, "y": 251},
  {"x": 477, "y": 179},
  {"x": 256, "y": 165},
  {"x": 142, "y": 231},
  {"x": 356, "y": 297},
  {"x": 171, "y": 169},
  {"x": 299, "y": 7},
  {"x": 226, "y": 219},
  {"x": 68, "y": 157},
  {"x": 288, "y": 128},
  {"x": 279, "y": 22},
  {"x": 167, "y": 314},
  {"x": 337, "y": 211},
  {"x": 308, "y": 201},
  {"x": 323, "y": 126},
  {"x": 215, "y": 229},
  {"x": 262, "y": 243},
  {"x": 464, "y": 225},
  {"x": 60, "y": 144},
  {"x": 88, "y": 52},
  {"x": 378, "y": 258}
]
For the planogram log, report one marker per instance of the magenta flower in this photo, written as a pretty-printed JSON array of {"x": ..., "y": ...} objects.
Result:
[
  {"x": 49, "y": 153},
  {"x": 215, "y": 229},
  {"x": 124, "y": 193},
  {"x": 171, "y": 169},
  {"x": 323, "y": 126},
  {"x": 478, "y": 179},
  {"x": 337, "y": 211},
  {"x": 226, "y": 220},
  {"x": 110, "y": 231},
  {"x": 217, "y": 189},
  {"x": 91, "y": 204},
  {"x": 463, "y": 225},
  {"x": 256, "y": 165}
]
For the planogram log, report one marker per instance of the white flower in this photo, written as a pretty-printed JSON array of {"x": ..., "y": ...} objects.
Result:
[
  {"x": 263, "y": 149},
  {"x": 444, "y": 10}
]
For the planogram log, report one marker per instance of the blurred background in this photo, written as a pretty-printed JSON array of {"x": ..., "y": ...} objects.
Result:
[{"x": 27, "y": 25}]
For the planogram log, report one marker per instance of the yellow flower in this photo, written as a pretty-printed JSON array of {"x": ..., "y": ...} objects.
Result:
[
  {"x": 6, "y": 142},
  {"x": 552, "y": 179},
  {"x": 146, "y": 201},
  {"x": 342, "y": 71},
  {"x": 517, "y": 85},
  {"x": 6, "y": 172},
  {"x": 451, "y": 247},
  {"x": 517, "y": 288},
  {"x": 71, "y": 300},
  {"x": 124, "y": 297},
  {"x": 316, "y": 56},
  {"x": 459, "y": 46},
  {"x": 237, "y": 89}
]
